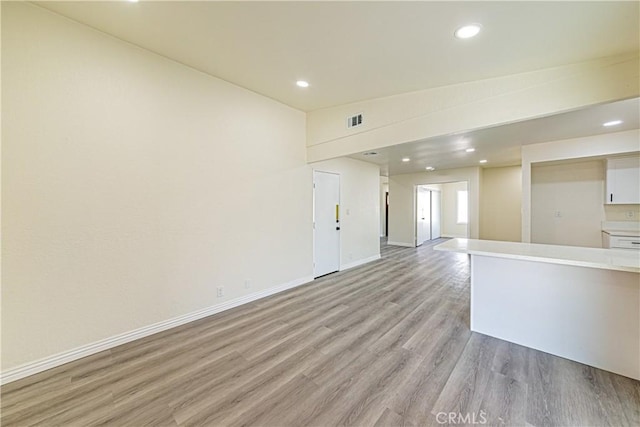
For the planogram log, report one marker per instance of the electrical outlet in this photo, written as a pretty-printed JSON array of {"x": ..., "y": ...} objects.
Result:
[
  {"x": 247, "y": 284},
  {"x": 630, "y": 214},
  {"x": 220, "y": 290},
  {"x": 557, "y": 214}
]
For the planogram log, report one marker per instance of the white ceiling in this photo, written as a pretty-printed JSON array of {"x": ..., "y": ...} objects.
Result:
[
  {"x": 350, "y": 51},
  {"x": 500, "y": 145}
]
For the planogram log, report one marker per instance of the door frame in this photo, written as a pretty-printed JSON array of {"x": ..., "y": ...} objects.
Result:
[
  {"x": 313, "y": 219},
  {"x": 439, "y": 193}
]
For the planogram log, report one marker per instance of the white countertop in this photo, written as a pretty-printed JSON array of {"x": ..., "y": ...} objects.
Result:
[
  {"x": 623, "y": 233},
  {"x": 608, "y": 259}
]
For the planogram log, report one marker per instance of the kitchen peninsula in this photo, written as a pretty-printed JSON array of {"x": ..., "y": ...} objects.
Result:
[{"x": 579, "y": 303}]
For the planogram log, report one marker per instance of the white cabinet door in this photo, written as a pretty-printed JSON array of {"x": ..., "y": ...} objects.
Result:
[{"x": 623, "y": 181}]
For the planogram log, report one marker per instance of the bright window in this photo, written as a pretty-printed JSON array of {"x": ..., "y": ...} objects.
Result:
[{"x": 462, "y": 207}]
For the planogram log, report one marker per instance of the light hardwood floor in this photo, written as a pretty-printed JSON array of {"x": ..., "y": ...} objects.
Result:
[{"x": 385, "y": 344}]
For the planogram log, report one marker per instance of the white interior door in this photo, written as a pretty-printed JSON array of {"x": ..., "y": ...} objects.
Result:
[
  {"x": 326, "y": 223},
  {"x": 436, "y": 200},
  {"x": 423, "y": 215}
]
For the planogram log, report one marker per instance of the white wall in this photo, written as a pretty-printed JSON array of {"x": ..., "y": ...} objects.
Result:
[
  {"x": 576, "y": 148},
  {"x": 359, "y": 207},
  {"x": 472, "y": 105},
  {"x": 133, "y": 186},
  {"x": 401, "y": 200},
  {"x": 501, "y": 204},
  {"x": 450, "y": 225},
  {"x": 622, "y": 212},
  {"x": 401, "y": 212},
  {"x": 567, "y": 203}
]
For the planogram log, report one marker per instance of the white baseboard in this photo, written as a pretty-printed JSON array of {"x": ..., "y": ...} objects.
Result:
[
  {"x": 359, "y": 262},
  {"x": 406, "y": 245},
  {"x": 41, "y": 365}
]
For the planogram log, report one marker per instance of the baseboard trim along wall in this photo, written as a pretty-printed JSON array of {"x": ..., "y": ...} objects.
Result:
[
  {"x": 406, "y": 245},
  {"x": 59, "y": 359},
  {"x": 359, "y": 262}
]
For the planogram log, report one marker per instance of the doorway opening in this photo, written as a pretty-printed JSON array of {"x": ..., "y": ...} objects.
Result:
[
  {"x": 441, "y": 210},
  {"x": 427, "y": 213},
  {"x": 384, "y": 207},
  {"x": 386, "y": 214}
]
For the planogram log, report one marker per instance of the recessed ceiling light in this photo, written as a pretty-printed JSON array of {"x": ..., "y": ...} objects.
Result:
[
  {"x": 612, "y": 123},
  {"x": 406, "y": 159},
  {"x": 430, "y": 168},
  {"x": 302, "y": 83},
  {"x": 470, "y": 150},
  {"x": 468, "y": 31},
  {"x": 483, "y": 161},
  {"x": 133, "y": 1}
]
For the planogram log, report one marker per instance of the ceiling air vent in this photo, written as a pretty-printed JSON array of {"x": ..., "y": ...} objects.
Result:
[{"x": 354, "y": 121}]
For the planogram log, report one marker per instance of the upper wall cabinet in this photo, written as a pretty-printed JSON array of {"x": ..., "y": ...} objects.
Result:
[{"x": 623, "y": 181}]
